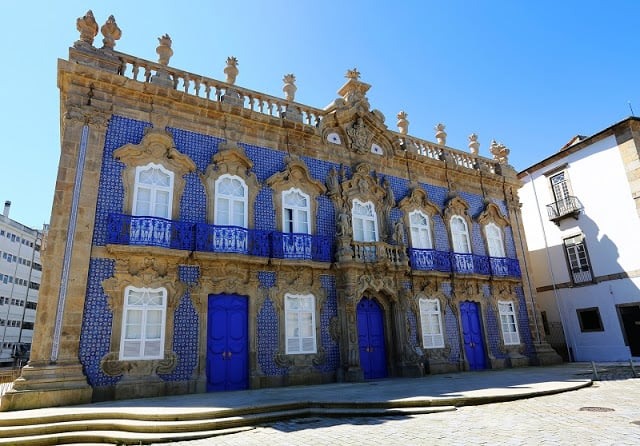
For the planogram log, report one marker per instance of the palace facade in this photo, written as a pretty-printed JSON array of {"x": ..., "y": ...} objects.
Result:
[{"x": 207, "y": 237}]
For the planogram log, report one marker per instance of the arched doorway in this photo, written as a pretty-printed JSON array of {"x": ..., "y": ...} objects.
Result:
[{"x": 371, "y": 339}]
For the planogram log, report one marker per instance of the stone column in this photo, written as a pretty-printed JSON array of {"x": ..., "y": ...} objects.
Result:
[
  {"x": 349, "y": 351},
  {"x": 54, "y": 375}
]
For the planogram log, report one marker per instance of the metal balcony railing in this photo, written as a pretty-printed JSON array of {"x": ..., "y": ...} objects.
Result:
[
  {"x": 149, "y": 231},
  {"x": 463, "y": 263},
  {"x": 567, "y": 207}
]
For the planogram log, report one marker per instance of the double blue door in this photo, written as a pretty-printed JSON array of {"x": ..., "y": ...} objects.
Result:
[
  {"x": 227, "y": 343},
  {"x": 472, "y": 335},
  {"x": 373, "y": 356}
]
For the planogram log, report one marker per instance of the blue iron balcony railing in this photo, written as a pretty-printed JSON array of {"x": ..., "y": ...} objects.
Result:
[
  {"x": 149, "y": 231},
  {"x": 463, "y": 263},
  {"x": 232, "y": 239},
  {"x": 430, "y": 260},
  {"x": 301, "y": 246},
  {"x": 567, "y": 207}
]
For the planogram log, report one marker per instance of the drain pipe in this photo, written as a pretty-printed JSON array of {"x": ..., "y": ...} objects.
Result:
[{"x": 569, "y": 340}]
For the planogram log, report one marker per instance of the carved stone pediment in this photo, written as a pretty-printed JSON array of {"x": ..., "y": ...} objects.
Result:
[
  {"x": 364, "y": 186},
  {"x": 492, "y": 214},
  {"x": 228, "y": 277},
  {"x": 418, "y": 200},
  {"x": 157, "y": 147},
  {"x": 376, "y": 283}
]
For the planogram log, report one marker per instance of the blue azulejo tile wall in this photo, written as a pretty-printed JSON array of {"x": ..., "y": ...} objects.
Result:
[
  {"x": 523, "y": 323},
  {"x": 329, "y": 312},
  {"x": 95, "y": 336}
]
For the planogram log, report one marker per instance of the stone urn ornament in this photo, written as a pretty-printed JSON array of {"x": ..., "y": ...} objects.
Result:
[
  {"x": 231, "y": 70},
  {"x": 88, "y": 27},
  {"x": 164, "y": 50},
  {"x": 441, "y": 135},
  {"x": 403, "y": 124},
  {"x": 289, "y": 87},
  {"x": 474, "y": 145},
  {"x": 111, "y": 33}
]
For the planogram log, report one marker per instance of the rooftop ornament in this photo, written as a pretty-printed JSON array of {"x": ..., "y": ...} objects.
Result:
[
  {"x": 289, "y": 87},
  {"x": 231, "y": 70},
  {"x": 164, "y": 50},
  {"x": 88, "y": 27},
  {"x": 441, "y": 135},
  {"x": 474, "y": 145},
  {"x": 403, "y": 124},
  {"x": 500, "y": 152},
  {"x": 352, "y": 74},
  {"x": 111, "y": 33}
]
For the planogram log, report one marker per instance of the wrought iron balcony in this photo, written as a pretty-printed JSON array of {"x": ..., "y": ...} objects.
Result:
[
  {"x": 463, "y": 263},
  {"x": 430, "y": 260},
  {"x": 567, "y": 207},
  {"x": 149, "y": 231},
  {"x": 301, "y": 246},
  {"x": 232, "y": 239}
]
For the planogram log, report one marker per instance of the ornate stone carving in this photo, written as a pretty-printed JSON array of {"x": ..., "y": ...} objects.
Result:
[
  {"x": 474, "y": 145},
  {"x": 283, "y": 360},
  {"x": 231, "y": 70},
  {"x": 500, "y": 152},
  {"x": 493, "y": 214},
  {"x": 112, "y": 366},
  {"x": 88, "y": 27},
  {"x": 441, "y": 135},
  {"x": 403, "y": 123},
  {"x": 111, "y": 33},
  {"x": 289, "y": 87},
  {"x": 334, "y": 329},
  {"x": 164, "y": 50},
  {"x": 360, "y": 136}
]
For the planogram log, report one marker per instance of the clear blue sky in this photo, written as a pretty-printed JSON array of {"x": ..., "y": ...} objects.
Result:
[{"x": 528, "y": 74}]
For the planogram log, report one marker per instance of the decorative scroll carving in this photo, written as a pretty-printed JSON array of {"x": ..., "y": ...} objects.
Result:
[{"x": 112, "y": 366}]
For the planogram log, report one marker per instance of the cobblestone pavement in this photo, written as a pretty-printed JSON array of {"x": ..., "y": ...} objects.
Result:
[{"x": 608, "y": 413}]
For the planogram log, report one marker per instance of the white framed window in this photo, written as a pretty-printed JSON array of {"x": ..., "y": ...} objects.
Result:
[
  {"x": 460, "y": 235},
  {"x": 153, "y": 191},
  {"x": 295, "y": 212},
  {"x": 365, "y": 221},
  {"x": 143, "y": 323},
  {"x": 431, "y": 323},
  {"x": 509, "y": 323},
  {"x": 494, "y": 240},
  {"x": 420, "y": 230},
  {"x": 578, "y": 259},
  {"x": 300, "y": 323},
  {"x": 231, "y": 201}
]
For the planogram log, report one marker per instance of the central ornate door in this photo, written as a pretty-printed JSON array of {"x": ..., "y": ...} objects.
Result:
[
  {"x": 373, "y": 356},
  {"x": 472, "y": 334},
  {"x": 227, "y": 343}
]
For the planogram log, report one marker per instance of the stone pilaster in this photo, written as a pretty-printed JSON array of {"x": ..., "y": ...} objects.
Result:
[{"x": 54, "y": 374}]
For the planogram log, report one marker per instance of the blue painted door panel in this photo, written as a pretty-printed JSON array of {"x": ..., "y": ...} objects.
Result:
[
  {"x": 472, "y": 335},
  {"x": 373, "y": 356},
  {"x": 227, "y": 343}
]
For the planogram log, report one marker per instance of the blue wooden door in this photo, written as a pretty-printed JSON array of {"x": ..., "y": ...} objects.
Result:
[
  {"x": 472, "y": 334},
  {"x": 227, "y": 343},
  {"x": 373, "y": 356}
]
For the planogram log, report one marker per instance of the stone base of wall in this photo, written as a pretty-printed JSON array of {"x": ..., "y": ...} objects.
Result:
[
  {"x": 310, "y": 379},
  {"x": 546, "y": 355},
  {"x": 48, "y": 386},
  {"x": 437, "y": 366}
]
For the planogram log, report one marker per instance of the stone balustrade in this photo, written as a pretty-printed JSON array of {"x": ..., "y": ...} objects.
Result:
[{"x": 207, "y": 88}]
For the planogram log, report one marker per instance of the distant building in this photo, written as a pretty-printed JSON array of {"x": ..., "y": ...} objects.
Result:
[
  {"x": 208, "y": 237},
  {"x": 20, "y": 274},
  {"x": 580, "y": 212}
]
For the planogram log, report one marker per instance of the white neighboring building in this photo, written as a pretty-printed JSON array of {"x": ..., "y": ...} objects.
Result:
[
  {"x": 20, "y": 274},
  {"x": 580, "y": 210}
]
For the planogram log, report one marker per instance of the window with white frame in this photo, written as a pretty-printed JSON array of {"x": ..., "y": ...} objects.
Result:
[
  {"x": 578, "y": 259},
  {"x": 431, "y": 323},
  {"x": 231, "y": 201},
  {"x": 509, "y": 323},
  {"x": 153, "y": 191},
  {"x": 300, "y": 323},
  {"x": 494, "y": 240},
  {"x": 420, "y": 230},
  {"x": 460, "y": 235},
  {"x": 143, "y": 323},
  {"x": 365, "y": 222},
  {"x": 295, "y": 212}
]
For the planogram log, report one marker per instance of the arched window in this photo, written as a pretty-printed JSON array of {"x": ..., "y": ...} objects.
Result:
[
  {"x": 295, "y": 212},
  {"x": 143, "y": 323},
  {"x": 365, "y": 222},
  {"x": 460, "y": 235},
  {"x": 420, "y": 231},
  {"x": 431, "y": 323},
  {"x": 153, "y": 191},
  {"x": 300, "y": 323},
  {"x": 494, "y": 240},
  {"x": 230, "y": 201}
]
